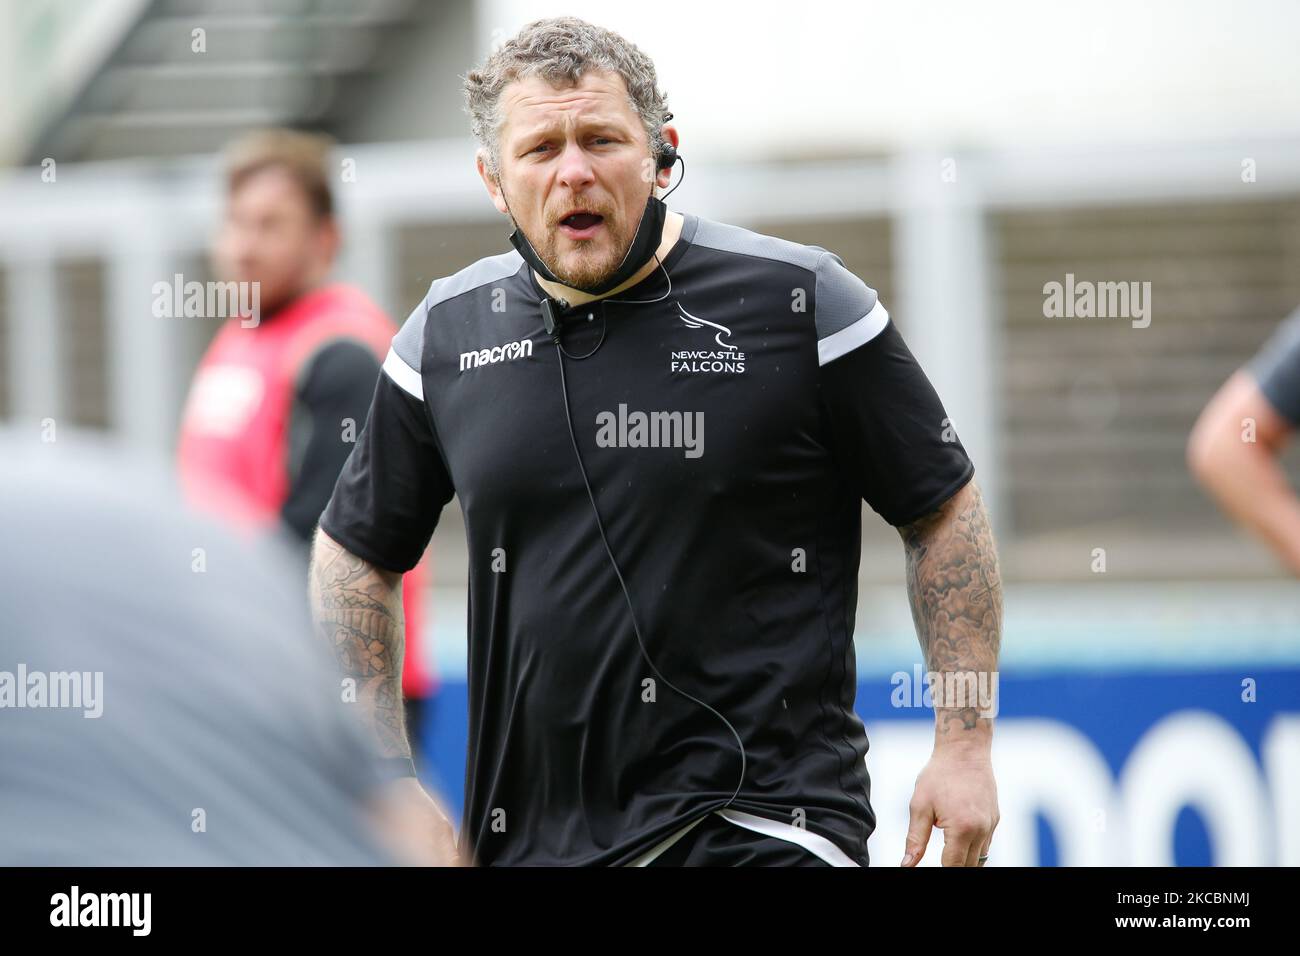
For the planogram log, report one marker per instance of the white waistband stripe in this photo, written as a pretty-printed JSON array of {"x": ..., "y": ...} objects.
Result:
[
  {"x": 645, "y": 858},
  {"x": 814, "y": 843}
]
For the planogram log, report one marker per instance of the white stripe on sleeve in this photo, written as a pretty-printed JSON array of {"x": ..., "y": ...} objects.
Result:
[
  {"x": 407, "y": 378},
  {"x": 851, "y": 336}
]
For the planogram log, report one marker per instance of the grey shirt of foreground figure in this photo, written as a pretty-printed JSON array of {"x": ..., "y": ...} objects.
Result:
[{"x": 197, "y": 724}]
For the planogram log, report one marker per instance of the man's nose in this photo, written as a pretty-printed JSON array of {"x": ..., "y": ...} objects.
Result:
[{"x": 575, "y": 167}]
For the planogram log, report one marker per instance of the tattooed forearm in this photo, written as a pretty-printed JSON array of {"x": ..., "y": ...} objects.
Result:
[
  {"x": 955, "y": 591},
  {"x": 358, "y": 610}
]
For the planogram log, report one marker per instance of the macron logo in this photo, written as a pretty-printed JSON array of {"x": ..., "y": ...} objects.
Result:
[{"x": 498, "y": 353}]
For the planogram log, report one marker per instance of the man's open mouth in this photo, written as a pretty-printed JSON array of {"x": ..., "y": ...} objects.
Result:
[{"x": 581, "y": 225}]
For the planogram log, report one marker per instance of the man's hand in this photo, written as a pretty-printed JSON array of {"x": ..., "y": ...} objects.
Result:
[
  {"x": 956, "y": 793},
  {"x": 955, "y": 590},
  {"x": 414, "y": 827}
]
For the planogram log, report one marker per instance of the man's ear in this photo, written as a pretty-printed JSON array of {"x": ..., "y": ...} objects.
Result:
[
  {"x": 665, "y": 176},
  {"x": 493, "y": 185}
]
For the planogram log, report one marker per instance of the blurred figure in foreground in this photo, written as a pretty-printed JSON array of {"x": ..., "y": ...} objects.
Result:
[
  {"x": 162, "y": 699},
  {"x": 277, "y": 400},
  {"x": 1239, "y": 437}
]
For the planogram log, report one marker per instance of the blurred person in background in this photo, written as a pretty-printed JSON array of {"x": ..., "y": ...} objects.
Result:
[
  {"x": 276, "y": 402},
  {"x": 1237, "y": 441},
  {"x": 163, "y": 700}
]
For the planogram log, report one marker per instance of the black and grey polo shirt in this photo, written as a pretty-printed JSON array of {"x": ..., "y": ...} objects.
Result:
[{"x": 734, "y": 410}]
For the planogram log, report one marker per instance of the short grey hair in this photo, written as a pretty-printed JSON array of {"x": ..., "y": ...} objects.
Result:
[{"x": 560, "y": 50}]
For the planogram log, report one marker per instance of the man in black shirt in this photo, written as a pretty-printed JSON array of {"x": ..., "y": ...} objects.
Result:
[{"x": 660, "y": 429}]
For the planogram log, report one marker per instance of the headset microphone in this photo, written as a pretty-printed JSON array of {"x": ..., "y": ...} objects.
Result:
[{"x": 548, "y": 316}]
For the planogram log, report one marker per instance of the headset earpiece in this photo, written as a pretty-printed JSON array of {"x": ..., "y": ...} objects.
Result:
[{"x": 667, "y": 157}]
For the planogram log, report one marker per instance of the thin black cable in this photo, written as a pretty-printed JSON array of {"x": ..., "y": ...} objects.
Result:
[
  {"x": 568, "y": 417},
  {"x": 667, "y": 275},
  {"x": 677, "y": 158},
  {"x": 578, "y": 358}
]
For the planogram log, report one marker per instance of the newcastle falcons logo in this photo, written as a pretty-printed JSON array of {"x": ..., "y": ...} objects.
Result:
[
  {"x": 695, "y": 322},
  {"x": 725, "y": 358}
]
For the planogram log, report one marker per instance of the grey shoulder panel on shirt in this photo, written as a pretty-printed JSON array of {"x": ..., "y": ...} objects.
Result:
[
  {"x": 840, "y": 297},
  {"x": 409, "y": 341}
]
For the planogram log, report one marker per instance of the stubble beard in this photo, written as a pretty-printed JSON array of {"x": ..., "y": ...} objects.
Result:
[{"x": 588, "y": 262}]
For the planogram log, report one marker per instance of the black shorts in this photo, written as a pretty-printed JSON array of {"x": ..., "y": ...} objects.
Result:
[{"x": 717, "y": 841}]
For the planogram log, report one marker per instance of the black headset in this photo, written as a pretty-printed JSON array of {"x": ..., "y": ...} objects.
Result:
[{"x": 666, "y": 157}]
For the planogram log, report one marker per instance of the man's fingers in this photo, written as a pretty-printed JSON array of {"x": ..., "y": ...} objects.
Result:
[
  {"x": 958, "y": 844},
  {"x": 964, "y": 843},
  {"x": 920, "y": 824},
  {"x": 988, "y": 840}
]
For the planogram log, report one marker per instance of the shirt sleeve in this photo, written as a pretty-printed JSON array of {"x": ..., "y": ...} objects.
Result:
[
  {"x": 396, "y": 482},
  {"x": 1276, "y": 368},
  {"x": 888, "y": 431},
  {"x": 336, "y": 385}
]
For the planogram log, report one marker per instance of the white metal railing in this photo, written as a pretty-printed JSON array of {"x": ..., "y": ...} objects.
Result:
[{"x": 143, "y": 218}]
